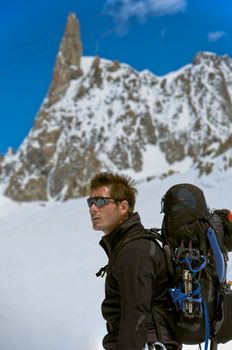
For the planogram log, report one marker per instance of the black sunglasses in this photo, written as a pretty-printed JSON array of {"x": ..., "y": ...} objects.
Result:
[{"x": 98, "y": 201}]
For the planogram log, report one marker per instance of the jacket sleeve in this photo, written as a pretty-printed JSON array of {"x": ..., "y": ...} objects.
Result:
[{"x": 135, "y": 275}]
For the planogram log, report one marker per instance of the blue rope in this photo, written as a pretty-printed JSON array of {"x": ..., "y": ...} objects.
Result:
[
  {"x": 178, "y": 297},
  {"x": 188, "y": 262}
]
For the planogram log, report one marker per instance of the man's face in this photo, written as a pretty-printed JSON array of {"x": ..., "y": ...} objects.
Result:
[{"x": 109, "y": 216}]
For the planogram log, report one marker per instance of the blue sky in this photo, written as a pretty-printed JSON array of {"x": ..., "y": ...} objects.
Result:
[{"x": 160, "y": 35}]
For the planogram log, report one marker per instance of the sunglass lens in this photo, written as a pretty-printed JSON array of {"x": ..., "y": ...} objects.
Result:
[{"x": 98, "y": 201}]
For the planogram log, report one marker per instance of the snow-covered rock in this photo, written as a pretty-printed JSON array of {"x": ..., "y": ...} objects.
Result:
[{"x": 110, "y": 116}]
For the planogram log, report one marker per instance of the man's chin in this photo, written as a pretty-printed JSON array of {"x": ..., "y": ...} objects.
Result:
[{"x": 97, "y": 227}]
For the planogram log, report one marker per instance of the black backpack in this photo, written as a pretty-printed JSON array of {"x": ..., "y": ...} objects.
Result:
[{"x": 196, "y": 242}]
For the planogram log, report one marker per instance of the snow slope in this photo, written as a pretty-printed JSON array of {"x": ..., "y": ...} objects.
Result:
[{"x": 49, "y": 296}]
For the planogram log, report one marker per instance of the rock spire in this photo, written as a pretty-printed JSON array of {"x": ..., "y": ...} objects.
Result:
[{"x": 68, "y": 60}]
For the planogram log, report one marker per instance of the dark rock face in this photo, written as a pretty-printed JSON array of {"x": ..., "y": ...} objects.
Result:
[
  {"x": 103, "y": 115},
  {"x": 68, "y": 61}
]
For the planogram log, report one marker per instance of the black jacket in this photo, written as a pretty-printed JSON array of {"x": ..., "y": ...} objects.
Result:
[{"x": 136, "y": 282}]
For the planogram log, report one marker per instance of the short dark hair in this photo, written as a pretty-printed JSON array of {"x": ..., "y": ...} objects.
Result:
[{"x": 122, "y": 187}]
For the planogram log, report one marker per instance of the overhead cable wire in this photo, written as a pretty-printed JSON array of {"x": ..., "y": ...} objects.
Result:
[
  {"x": 27, "y": 64},
  {"x": 28, "y": 43},
  {"x": 18, "y": 62},
  {"x": 32, "y": 54}
]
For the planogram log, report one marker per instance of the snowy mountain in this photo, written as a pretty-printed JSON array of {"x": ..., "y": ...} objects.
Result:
[
  {"x": 50, "y": 298},
  {"x": 101, "y": 114}
]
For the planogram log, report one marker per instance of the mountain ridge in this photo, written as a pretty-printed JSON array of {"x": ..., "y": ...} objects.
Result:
[{"x": 111, "y": 117}]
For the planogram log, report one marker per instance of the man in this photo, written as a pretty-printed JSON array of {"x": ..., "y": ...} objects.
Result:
[{"x": 137, "y": 281}]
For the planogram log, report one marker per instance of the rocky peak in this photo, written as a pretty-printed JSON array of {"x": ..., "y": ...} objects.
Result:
[
  {"x": 68, "y": 61},
  {"x": 211, "y": 59},
  {"x": 114, "y": 118}
]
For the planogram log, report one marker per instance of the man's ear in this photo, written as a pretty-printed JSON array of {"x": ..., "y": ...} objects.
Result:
[{"x": 124, "y": 206}]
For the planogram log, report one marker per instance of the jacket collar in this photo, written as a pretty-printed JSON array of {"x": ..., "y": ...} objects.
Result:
[{"x": 130, "y": 226}]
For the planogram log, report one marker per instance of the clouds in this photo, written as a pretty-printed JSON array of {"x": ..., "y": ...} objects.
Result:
[
  {"x": 123, "y": 10},
  {"x": 215, "y": 36}
]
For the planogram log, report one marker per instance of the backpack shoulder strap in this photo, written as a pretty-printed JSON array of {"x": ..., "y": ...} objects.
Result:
[{"x": 151, "y": 234}]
